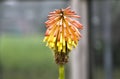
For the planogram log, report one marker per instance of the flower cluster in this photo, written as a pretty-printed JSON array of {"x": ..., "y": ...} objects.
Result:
[{"x": 62, "y": 32}]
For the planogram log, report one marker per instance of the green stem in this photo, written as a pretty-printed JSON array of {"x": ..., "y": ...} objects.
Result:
[{"x": 61, "y": 72}]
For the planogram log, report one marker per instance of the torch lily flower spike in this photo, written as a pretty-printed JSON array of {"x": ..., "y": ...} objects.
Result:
[{"x": 62, "y": 33}]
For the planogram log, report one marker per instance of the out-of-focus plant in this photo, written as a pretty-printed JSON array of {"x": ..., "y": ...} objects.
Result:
[{"x": 62, "y": 35}]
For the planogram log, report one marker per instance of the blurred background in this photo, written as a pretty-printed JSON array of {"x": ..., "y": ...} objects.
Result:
[{"x": 23, "y": 55}]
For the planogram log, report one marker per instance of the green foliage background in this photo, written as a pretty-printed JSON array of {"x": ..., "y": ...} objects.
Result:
[{"x": 26, "y": 58}]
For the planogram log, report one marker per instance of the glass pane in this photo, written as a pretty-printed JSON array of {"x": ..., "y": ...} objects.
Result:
[{"x": 97, "y": 38}]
